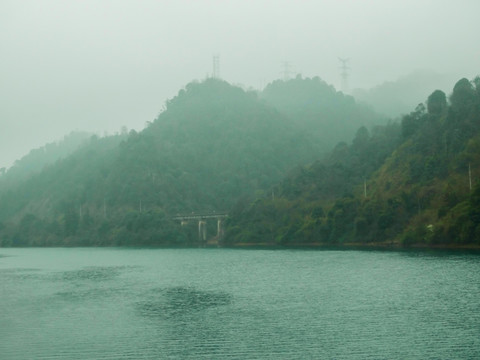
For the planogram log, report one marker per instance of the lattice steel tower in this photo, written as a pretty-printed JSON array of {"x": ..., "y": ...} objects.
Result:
[
  {"x": 344, "y": 74},
  {"x": 287, "y": 70},
  {"x": 216, "y": 67}
]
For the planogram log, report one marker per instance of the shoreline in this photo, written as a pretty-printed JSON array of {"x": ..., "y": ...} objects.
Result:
[
  {"x": 387, "y": 246},
  {"x": 383, "y": 246}
]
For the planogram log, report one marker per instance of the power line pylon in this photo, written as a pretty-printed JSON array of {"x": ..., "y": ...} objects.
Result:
[
  {"x": 216, "y": 67},
  {"x": 287, "y": 70},
  {"x": 344, "y": 74}
]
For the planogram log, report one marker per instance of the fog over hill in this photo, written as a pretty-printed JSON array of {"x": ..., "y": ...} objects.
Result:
[
  {"x": 99, "y": 65},
  {"x": 398, "y": 97}
]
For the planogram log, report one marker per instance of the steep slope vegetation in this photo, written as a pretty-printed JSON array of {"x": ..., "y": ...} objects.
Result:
[
  {"x": 213, "y": 144},
  {"x": 407, "y": 184},
  {"x": 212, "y": 147}
]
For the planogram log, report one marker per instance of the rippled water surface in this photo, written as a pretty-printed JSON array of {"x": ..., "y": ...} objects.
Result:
[{"x": 246, "y": 304}]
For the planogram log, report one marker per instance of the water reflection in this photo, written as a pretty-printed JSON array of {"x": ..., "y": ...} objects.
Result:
[
  {"x": 90, "y": 283},
  {"x": 92, "y": 273},
  {"x": 21, "y": 273},
  {"x": 179, "y": 301}
]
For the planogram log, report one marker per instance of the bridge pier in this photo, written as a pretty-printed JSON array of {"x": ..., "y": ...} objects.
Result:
[
  {"x": 219, "y": 228},
  {"x": 202, "y": 230}
]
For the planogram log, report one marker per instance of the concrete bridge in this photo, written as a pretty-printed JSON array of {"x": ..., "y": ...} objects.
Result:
[{"x": 202, "y": 223}]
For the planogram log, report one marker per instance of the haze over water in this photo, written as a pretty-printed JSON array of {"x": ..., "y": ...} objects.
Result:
[{"x": 217, "y": 304}]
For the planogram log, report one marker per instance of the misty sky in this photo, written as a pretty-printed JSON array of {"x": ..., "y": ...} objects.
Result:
[{"x": 98, "y": 65}]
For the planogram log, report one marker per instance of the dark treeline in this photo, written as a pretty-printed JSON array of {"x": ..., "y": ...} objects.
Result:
[{"x": 266, "y": 159}]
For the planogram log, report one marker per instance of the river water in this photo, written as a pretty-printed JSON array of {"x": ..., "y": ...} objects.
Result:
[{"x": 90, "y": 303}]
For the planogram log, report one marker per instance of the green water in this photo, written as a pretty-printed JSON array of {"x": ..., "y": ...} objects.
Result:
[{"x": 245, "y": 304}]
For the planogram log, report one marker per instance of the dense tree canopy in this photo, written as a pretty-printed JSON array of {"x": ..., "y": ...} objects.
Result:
[
  {"x": 405, "y": 185},
  {"x": 437, "y": 102}
]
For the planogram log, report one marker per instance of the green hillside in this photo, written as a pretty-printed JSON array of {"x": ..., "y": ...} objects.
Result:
[
  {"x": 405, "y": 184},
  {"x": 214, "y": 145}
]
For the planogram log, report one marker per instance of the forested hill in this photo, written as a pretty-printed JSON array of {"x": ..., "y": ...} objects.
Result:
[
  {"x": 415, "y": 183},
  {"x": 316, "y": 107},
  {"x": 37, "y": 159},
  {"x": 212, "y": 146}
]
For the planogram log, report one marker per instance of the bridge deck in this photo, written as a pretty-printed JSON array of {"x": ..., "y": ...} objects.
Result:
[{"x": 200, "y": 216}]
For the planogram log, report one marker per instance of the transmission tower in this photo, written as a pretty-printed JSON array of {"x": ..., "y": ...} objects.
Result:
[
  {"x": 216, "y": 67},
  {"x": 287, "y": 70},
  {"x": 344, "y": 74}
]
